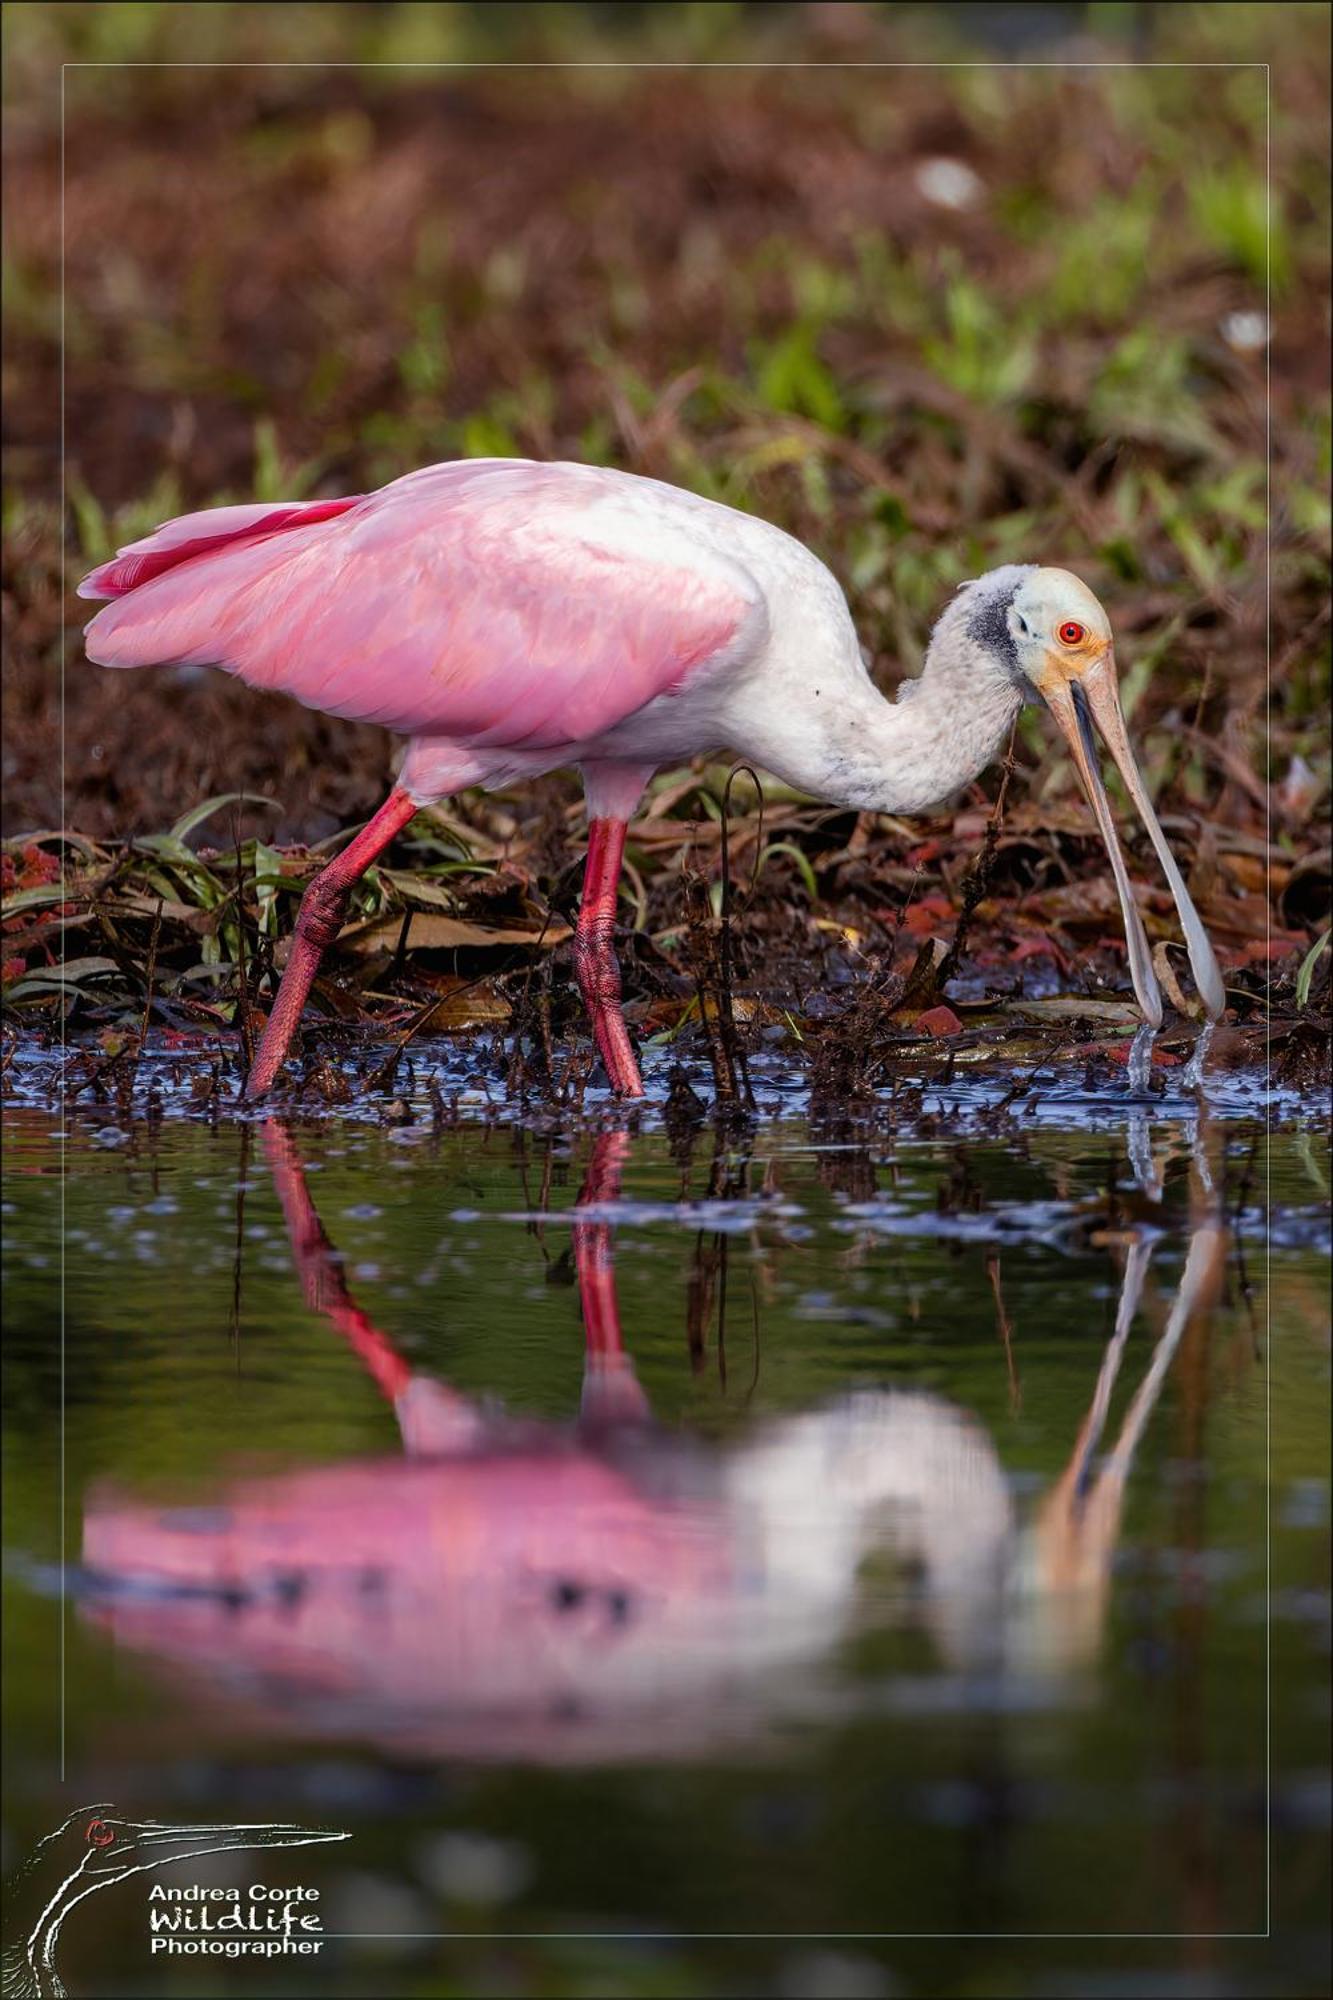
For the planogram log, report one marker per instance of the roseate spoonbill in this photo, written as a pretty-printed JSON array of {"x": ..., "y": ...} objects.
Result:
[
  {"x": 511, "y": 617},
  {"x": 94, "y": 1848},
  {"x": 515, "y": 1588}
]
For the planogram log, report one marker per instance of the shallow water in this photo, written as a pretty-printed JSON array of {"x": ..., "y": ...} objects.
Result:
[{"x": 848, "y": 1540}]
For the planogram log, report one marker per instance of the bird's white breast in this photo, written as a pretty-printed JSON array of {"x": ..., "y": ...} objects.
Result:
[{"x": 763, "y": 702}]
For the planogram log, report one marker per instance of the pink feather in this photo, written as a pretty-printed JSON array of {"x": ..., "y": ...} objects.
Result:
[
  {"x": 191, "y": 535},
  {"x": 499, "y": 605}
]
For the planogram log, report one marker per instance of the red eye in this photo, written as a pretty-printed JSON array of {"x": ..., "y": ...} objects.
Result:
[
  {"x": 1071, "y": 634},
  {"x": 99, "y": 1834}
]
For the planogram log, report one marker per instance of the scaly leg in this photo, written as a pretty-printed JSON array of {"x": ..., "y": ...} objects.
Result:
[
  {"x": 318, "y": 923},
  {"x": 595, "y": 965}
]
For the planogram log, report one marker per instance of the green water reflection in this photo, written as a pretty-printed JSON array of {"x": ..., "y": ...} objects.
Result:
[{"x": 736, "y": 1537}]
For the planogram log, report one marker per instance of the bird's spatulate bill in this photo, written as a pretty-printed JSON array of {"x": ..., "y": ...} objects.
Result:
[
  {"x": 1075, "y": 706},
  {"x": 1073, "y": 725},
  {"x": 1103, "y": 700}
]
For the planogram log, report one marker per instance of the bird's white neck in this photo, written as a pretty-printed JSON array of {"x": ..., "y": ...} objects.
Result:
[
  {"x": 813, "y": 716},
  {"x": 852, "y": 747}
]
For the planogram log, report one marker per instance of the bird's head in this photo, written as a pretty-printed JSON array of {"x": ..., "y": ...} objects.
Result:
[{"x": 1048, "y": 633}]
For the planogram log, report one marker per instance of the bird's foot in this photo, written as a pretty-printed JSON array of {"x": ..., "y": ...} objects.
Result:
[{"x": 618, "y": 1058}]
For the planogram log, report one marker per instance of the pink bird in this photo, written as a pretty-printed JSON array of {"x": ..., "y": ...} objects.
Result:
[{"x": 510, "y": 618}]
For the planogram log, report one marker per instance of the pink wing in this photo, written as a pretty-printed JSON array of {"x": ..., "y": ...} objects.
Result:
[
  {"x": 490, "y": 603},
  {"x": 190, "y": 535}
]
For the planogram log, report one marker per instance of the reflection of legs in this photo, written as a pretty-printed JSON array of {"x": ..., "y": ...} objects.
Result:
[
  {"x": 595, "y": 965},
  {"x": 611, "y": 1393},
  {"x": 433, "y": 1417},
  {"x": 318, "y": 923},
  {"x": 320, "y": 1268}
]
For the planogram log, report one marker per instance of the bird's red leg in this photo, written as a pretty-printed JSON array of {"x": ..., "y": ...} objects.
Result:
[
  {"x": 595, "y": 965},
  {"x": 318, "y": 923}
]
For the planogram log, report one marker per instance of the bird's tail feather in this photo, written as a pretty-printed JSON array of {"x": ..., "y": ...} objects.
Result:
[{"x": 191, "y": 535}]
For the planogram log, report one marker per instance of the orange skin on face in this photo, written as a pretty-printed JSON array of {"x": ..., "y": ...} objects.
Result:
[{"x": 1069, "y": 663}]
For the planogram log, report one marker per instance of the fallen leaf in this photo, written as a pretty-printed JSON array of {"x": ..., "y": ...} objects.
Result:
[
  {"x": 419, "y": 889},
  {"x": 922, "y": 981},
  {"x": 925, "y": 916},
  {"x": 62, "y": 978},
  {"x": 1166, "y": 974},
  {"x": 832, "y": 928},
  {"x": 1036, "y": 947},
  {"x": 1119, "y": 1052},
  {"x": 1260, "y": 951},
  {"x": 1260, "y": 876},
  {"x": 1245, "y": 916},
  {"x": 131, "y": 904},
  {"x": 938, "y": 1021},
  {"x": 671, "y": 1012},
  {"x": 464, "y": 1003},
  {"x": 432, "y": 932},
  {"x": 1120, "y": 1013}
]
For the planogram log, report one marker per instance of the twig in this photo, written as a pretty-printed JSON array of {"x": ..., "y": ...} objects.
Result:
[
  {"x": 979, "y": 875},
  {"x": 148, "y": 979},
  {"x": 515, "y": 1071},
  {"x": 400, "y": 949},
  {"x": 242, "y": 976},
  {"x": 737, "y": 1067}
]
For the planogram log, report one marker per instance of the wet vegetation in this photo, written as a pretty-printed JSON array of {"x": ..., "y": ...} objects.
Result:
[{"x": 929, "y": 319}]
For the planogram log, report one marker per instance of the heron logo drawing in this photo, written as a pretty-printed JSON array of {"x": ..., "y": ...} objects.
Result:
[{"x": 92, "y": 1849}]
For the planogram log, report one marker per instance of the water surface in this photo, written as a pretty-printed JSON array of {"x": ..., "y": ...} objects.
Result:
[{"x": 847, "y": 1539}]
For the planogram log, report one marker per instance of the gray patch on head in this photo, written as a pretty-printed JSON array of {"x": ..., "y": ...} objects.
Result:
[{"x": 988, "y": 616}]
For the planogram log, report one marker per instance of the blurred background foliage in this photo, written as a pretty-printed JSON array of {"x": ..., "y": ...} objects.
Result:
[{"x": 928, "y": 318}]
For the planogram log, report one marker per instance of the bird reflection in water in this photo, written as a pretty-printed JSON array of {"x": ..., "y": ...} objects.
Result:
[{"x": 519, "y": 1589}]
